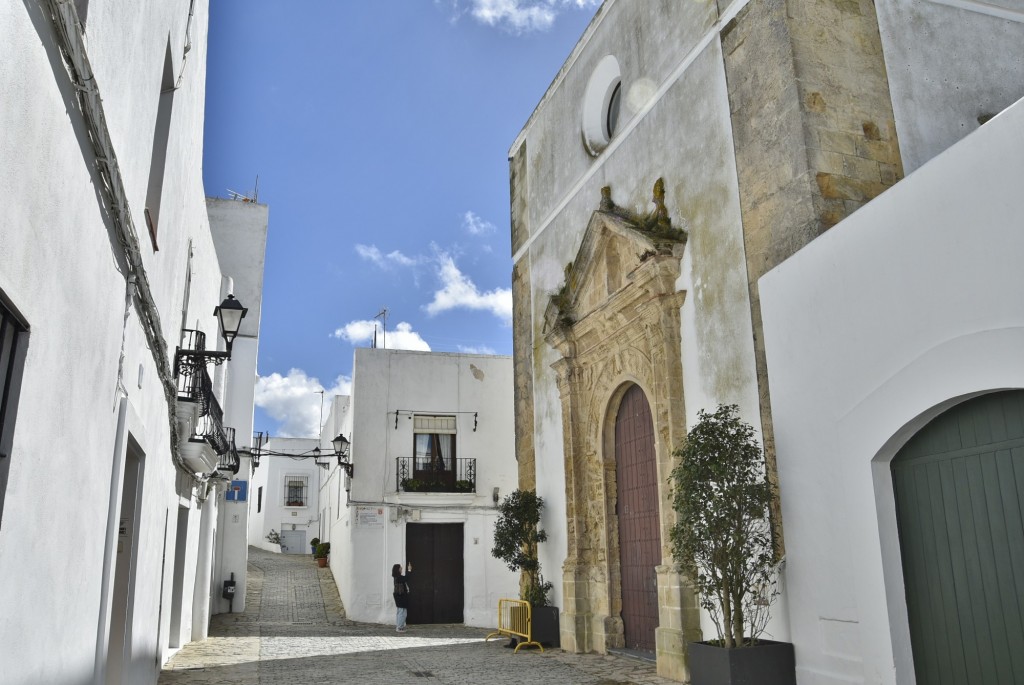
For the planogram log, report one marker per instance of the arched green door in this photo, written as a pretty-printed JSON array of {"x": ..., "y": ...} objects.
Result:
[{"x": 959, "y": 497}]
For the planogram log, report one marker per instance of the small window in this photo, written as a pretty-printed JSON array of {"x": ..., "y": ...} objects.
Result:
[
  {"x": 259, "y": 499},
  {"x": 296, "y": 491},
  {"x": 13, "y": 343},
  {"x": 161, "y": 137}
]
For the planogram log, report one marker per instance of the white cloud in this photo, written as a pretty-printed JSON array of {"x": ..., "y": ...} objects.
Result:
[
  {"x": 402, "y": 337},
  {"x": 520, "y": 16},
  {"x": 294, "y": 401},
  {"x": 459, "y": 292},
  {"x": 372, "y": 253},
  {"x": 482, "y": 349},
  {"x": 475, "y": 225}
]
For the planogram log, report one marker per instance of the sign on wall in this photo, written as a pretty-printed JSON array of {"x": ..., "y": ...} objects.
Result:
[
  {"x": 372, "y": 517},
  {"x": 237, "y": 491}
]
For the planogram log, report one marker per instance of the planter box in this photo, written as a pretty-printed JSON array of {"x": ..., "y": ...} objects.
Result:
[
  {"x": 767, "y": 663},
  {"x": 545, "y": 625}
]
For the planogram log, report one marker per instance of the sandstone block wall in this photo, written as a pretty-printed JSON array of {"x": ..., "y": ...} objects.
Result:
[{"x": 813, "y": 129}]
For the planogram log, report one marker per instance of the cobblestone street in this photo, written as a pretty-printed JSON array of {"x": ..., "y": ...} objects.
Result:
[{"x": 294, "y": 630}]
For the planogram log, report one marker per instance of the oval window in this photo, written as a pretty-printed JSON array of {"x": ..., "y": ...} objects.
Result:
[{"x": 601, "y": 105}]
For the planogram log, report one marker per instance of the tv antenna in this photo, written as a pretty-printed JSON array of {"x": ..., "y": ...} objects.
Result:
[{"x": 383, "y": 315}]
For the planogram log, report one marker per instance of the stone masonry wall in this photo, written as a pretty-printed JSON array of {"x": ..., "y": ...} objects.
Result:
[
  {"x": 813, "y": 130},
  {"x": 522, "y": 324}
]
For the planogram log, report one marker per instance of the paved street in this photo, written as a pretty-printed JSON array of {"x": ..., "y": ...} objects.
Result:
[{"x": 295, "y": 631}]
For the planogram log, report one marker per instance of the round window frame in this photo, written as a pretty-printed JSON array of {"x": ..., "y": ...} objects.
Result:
[{"x": 597, "y": 98}]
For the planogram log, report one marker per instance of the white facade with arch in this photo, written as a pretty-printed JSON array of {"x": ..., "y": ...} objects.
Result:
[{"x": 908, "y": 307}]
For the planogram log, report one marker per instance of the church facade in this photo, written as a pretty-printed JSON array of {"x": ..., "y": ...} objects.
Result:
[{"x": 683, "y": 151}]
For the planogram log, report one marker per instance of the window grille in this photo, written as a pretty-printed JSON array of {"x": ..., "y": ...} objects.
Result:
[{"x": 296, "y": 489}]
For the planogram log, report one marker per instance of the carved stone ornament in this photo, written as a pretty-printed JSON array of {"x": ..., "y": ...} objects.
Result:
[{"x": 616, "y": 323}]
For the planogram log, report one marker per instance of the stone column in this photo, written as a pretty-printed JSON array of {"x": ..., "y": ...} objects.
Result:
[{"x": 201, "y": 595}]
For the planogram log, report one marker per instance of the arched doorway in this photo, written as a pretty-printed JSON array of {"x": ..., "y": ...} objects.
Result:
[
  {"x": 959, "y": 485},
  {"x": 636, "y": 475}
]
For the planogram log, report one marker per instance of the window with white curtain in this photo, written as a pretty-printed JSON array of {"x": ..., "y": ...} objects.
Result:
[{"x": 434, "y": 443}]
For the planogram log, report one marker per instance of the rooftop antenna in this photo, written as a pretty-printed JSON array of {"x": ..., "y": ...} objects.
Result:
[
  {"x": 242, "y": 197},
  {"x": 321, "y": 410},
  {"x": 383, "y": 314}
]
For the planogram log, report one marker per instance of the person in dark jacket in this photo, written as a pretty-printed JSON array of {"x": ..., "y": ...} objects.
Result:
[{"x": 401, "y": 595}]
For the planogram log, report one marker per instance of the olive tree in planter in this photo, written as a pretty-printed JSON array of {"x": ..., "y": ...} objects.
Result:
[
  {"x": 722, "y": 538},
  {"x": 517, "y": 534}
]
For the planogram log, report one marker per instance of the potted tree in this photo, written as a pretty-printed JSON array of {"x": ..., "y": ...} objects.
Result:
[
  {"x": 322, "y": 550},
  {"x": 313, "y": 543},
  {"x": 517, "y": 533},
  {"x": 723, "y": 539}
]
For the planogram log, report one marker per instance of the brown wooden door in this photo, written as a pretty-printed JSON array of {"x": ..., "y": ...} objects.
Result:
[
  {"x": 639, "y": 529},
  {"x": 436, "y": 583}
]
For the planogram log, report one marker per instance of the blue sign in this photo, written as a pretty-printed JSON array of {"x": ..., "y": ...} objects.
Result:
[{"x": 237, "y": 491}]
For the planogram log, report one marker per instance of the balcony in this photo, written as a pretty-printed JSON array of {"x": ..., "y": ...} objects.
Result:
[
  {"x": 229, "y": 461},
  {"x": 198, "y": 412},
  {"x": 415, "y": 475}
]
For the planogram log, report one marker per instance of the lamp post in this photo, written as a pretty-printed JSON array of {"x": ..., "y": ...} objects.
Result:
[
  {"x": 229, "y": 318},
  {"x": 341, "y": 448},
  {"x": 230, "y": 314}
]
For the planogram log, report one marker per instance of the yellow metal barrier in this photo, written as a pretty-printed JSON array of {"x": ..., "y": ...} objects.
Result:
[{"x": 515, "y": 620}]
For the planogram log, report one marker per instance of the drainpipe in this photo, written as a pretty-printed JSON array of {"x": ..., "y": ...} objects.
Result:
[{"x": 204, "y": 566}]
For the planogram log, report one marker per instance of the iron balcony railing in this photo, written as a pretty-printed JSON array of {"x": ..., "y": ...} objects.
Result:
[
  {"x": 229, "y": 461},
  {"x": 189, "y": 370},
  {"x": 195, "y": 385},
  {"x": 425, "y": 475},
  {"x": 210, "y": 426}
]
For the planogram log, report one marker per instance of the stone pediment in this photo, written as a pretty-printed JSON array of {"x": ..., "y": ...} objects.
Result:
[{"x": 620, "y": 251}]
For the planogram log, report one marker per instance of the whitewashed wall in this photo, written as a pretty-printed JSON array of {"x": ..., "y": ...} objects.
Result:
[
  {"x": 364, "y": 549},
  {"x": 89, "y": 368},
  {"x": 908, "y": 306},
  {"x": 271, "y": 476},
  {"x": 239, "y": 231},
  {"x": 949, "y": 62}
]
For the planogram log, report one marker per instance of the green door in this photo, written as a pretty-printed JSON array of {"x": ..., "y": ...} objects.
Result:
[{"x": 959, "y": 496}]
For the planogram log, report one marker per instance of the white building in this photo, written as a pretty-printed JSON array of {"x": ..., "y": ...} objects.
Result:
[
  {"x": 895, "y": 354},
  {"x": 432, "y": 452},
  {"x": 759, "y": 125},
  {"x": 285, "y": 496},
  {"x": 115, "y": 453}
]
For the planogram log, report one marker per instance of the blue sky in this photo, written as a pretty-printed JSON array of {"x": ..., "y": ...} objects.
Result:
[{"x": 380, "y": 132}]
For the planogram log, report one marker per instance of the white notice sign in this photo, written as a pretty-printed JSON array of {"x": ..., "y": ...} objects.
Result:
[{"x": 370, "y": 516}]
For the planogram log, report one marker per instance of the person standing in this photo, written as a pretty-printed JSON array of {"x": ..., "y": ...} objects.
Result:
[{"x": 401, "y": 595}]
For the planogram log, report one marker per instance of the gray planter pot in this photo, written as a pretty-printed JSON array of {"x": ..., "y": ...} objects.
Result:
[{"x": 767, "y": 663}]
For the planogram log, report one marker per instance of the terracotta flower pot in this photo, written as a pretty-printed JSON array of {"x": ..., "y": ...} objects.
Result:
[{"x": 321, "y": 562}]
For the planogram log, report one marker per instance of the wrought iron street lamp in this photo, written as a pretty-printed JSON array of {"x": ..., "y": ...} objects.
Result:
[
  {"x": 229, "y": 318},
  {"x": 230, "y": 314},
  {"x": 341, "y": 447}
]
